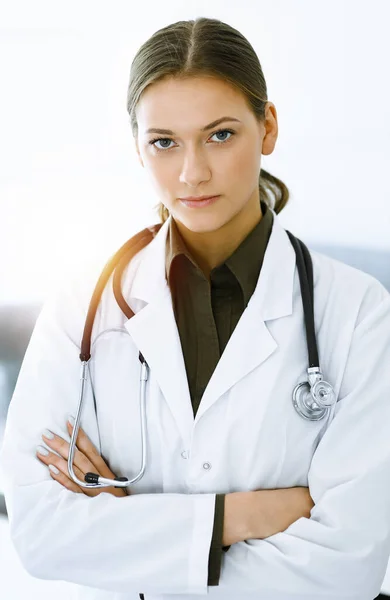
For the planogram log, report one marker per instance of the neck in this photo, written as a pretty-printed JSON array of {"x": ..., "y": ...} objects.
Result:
[{"x": 212, "y": 248}]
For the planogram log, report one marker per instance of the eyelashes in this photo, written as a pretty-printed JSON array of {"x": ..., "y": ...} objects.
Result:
[{"x": 153, "y": 142}]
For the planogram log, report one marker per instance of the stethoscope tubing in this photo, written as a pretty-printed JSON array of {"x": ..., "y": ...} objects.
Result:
[
  {"x": 304, "y": 266},
  {"x": 117, "y": 264},
  {"x": 129, "y": 249}
]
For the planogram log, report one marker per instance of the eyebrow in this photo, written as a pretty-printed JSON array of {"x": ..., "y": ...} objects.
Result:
[{"x": 205, "y": 128}]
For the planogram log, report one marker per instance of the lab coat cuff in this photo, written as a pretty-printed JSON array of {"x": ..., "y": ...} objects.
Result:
[{"x": 204, "y": 508}]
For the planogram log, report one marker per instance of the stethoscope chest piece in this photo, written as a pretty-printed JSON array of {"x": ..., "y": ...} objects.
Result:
[
  {"x": 305, "y": 404},
  {"x": 323, "y": 393},
  {"x": 312, "y": 399}
]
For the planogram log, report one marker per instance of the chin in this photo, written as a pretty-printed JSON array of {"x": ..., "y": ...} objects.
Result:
[{"x": 201, "y": 223}]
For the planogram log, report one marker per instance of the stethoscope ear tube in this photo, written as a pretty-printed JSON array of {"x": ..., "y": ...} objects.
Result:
[
  {"x": 122, "y": 257},
  {"x": 96, "y": 480},
  {"x": 117, "y": 283},
  {"x": 129, "y": 249}
]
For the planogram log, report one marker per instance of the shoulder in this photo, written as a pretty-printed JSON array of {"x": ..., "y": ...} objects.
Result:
[
  {"x": 68, "y": 302},
  {"x": 347, "y": 288},
  {"x": 80, "y": 283}
]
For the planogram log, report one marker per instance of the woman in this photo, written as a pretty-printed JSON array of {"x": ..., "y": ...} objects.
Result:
[{"x": 300, "y": 507}]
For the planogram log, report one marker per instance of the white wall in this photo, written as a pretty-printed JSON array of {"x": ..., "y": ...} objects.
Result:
[{"x": 70, "y": 184}]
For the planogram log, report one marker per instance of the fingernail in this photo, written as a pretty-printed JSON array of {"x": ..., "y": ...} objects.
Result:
[
  {"x": 42, "y": 450},
  {"x": 47, "y": 433},
  {"x": 71, "y": 419},
  {"x": 54, "y": 469}
]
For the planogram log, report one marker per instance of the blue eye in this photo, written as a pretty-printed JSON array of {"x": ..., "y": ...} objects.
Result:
[
  {"x": 153, "y": 142},
  {"x": 222, "y": 131},
  {"x": 160, "y": 140}
]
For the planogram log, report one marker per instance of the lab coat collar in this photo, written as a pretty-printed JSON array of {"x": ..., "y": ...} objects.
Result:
[
  {"x": 154, "y": 331},
  {"x": 150, "y": 278},
  {"x": 273, "y": 292}
]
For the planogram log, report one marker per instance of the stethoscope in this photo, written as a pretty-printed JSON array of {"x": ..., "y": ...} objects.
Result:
[{"x": 312, "y": 399}]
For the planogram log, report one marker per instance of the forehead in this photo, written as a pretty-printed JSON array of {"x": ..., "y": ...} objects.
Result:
[{"x": 191, "y": 102}]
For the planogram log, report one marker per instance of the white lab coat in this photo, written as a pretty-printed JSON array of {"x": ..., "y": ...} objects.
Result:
[{"x": 156, "y": 541}]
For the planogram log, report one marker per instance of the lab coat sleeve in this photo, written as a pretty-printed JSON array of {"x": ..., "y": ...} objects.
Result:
[
  {"x": 150, "y": 543},
  {"x": 215, "y": 556},
  {"x": 342, "y": 551}
]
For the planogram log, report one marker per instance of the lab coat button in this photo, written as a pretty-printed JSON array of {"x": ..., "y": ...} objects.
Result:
[
  {"x": 184, "y": 454},
  {"x": 207, "y": 466}
]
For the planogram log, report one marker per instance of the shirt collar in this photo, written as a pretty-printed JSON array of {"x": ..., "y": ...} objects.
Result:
[{"x": 241, "y": 263}]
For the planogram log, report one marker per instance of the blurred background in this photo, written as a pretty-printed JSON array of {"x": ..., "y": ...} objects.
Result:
[{"x": 72, "y": 190}]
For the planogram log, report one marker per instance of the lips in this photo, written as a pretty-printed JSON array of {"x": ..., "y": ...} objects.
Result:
[
  {"x": 196, "y": 198},
  {"x": 199, "y": 203}
]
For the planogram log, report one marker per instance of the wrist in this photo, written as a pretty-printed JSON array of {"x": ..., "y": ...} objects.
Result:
[
  {"x": 265, "y": 513},
  {"x": 237, "y": 517},
  {"x": 273, "y": 511}
]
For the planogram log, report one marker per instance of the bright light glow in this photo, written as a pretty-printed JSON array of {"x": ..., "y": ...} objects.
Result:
[{"x": 71, "y": 187}]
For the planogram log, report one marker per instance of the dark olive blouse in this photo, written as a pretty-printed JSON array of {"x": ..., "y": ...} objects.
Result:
[{"x": 206, "y": 314}]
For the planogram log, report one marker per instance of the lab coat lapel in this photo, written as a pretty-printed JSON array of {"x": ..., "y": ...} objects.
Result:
[
  {"x": 251, "y": 343},
  {"x": 154, "y": 332}
]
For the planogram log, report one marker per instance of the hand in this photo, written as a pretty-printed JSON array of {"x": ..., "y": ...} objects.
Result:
[
  {"x": 86, "y": 458},
  {"x": 273, "y": 511}
]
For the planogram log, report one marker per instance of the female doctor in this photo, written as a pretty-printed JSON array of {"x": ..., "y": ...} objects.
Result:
[{"x": 242, "y": 496}]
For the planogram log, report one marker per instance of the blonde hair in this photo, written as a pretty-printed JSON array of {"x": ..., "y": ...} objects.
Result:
[{"x": 204, "y": 47}]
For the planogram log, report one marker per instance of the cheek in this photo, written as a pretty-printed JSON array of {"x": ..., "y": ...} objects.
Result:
[
  {"x": 246, "y": 164},
  {"x": 161, "y": 172},
  {"x": 239, "y": 166}
]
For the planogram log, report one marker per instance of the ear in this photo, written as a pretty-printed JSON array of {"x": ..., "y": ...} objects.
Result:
[{"x": 271, "y": 129}]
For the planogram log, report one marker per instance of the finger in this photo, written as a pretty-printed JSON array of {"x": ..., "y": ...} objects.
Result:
[
  {"x": 49, "y": 458},
  {"x": 64, "y": 480},
  {"x": 53, "y": 460},
  {"x": 85, "y": 445},
  {"x": 61, "y": 446}
]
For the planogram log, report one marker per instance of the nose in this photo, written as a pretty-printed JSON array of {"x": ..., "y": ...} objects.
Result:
[{"x": 195, "y": 168}]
